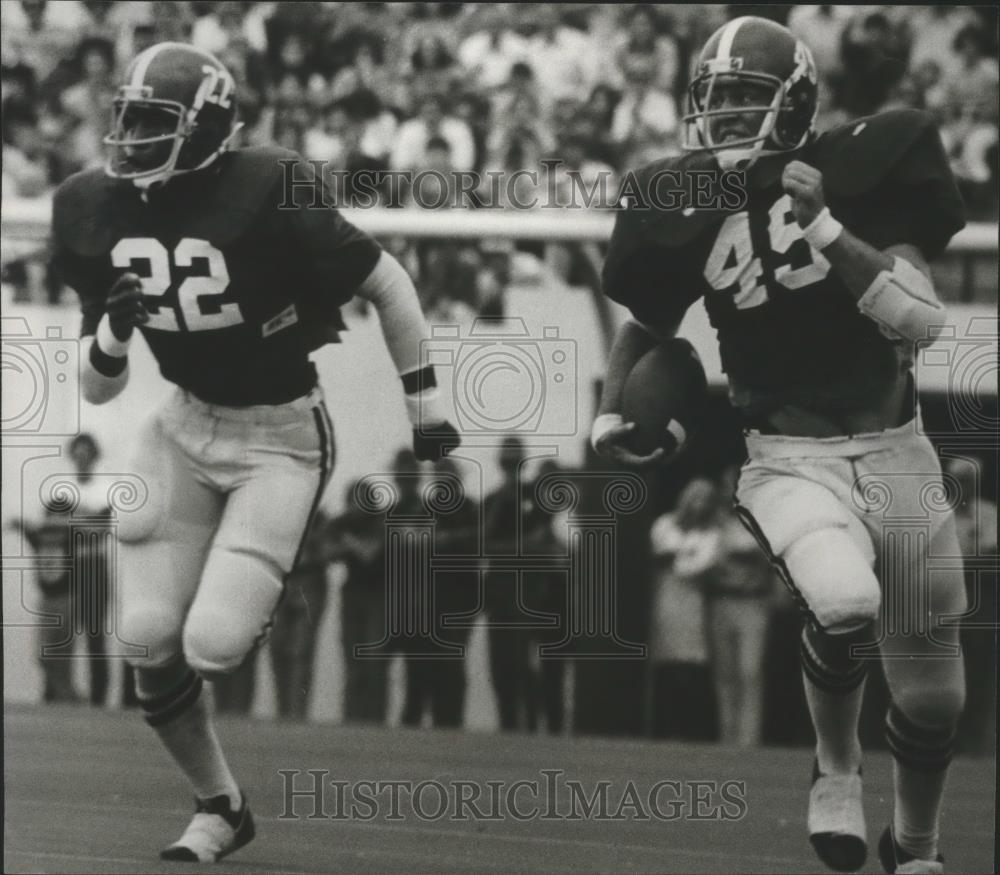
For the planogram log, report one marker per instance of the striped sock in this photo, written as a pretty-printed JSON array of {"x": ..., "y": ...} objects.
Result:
[
  {"x": 174, "y": 706},
  {"x": 922, "y": 756},
  {"x": 834, "y": 683}
]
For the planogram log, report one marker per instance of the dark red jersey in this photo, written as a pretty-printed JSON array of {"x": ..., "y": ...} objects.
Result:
[
  {"x": 789, "y": 331},
  {"x": 242, "y": 273}
]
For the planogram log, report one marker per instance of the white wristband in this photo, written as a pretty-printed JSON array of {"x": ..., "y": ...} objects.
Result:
[
  {"x": 602, "y": 425},
  {"x": 425, "y": 409},
  {"x": 108, "y": 343},
  {"x": 822, "y": 230}
]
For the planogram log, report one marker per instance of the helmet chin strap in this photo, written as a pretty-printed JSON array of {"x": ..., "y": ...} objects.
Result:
[
  {"x": 169, "y": 170},
  {"x": 739, "y": 159}
]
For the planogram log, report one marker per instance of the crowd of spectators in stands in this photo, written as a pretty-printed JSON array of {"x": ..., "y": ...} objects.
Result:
[
  {"x": 470, "y": 86},
  {"x": 484, "y": 87}
]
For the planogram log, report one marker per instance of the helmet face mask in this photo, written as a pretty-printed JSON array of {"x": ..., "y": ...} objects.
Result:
[
  {"x": 145, "y": 137},
  {"x": 742, "y": 107},
  {"x": 176, "y": 115}
]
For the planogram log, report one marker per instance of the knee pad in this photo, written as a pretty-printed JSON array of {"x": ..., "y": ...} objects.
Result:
[
  {"x": 938, "y": 706},
  {"x": 233, "y": 612},
  {"x": 923, "y": 747},
  {"x": 834, "y": 578},
  {"x": 217, "y": 644},
  {"x": 830, "y": 659},
  {"x": 156, "y": 629},
  {"x": 167, "y": 692}
]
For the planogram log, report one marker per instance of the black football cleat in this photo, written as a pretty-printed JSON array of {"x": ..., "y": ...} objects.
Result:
[
  {"x": 837, "y": 820},
  {"x": 214, "y": 832},
  {"x": 897, "y": 861}
]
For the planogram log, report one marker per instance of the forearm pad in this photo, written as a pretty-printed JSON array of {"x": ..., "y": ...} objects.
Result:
[
  {"x": 902, "y": 301},
  {"x": 390, "y": 290},
  {"x": 404, "y": 328},
  {"x": 103, "y": 375}
]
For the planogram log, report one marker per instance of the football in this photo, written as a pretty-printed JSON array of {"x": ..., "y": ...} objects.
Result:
[{"x": 664, "y": 396}]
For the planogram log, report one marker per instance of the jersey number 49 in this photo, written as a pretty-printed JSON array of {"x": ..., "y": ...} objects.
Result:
[{"x": 732, "y": 259}]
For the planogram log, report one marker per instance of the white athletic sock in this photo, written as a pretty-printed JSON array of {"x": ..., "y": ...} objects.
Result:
[
  {"x": 835, "y": 720},
  {"x": 180, "y": 716},
  {"x": 192, "y": 742}
]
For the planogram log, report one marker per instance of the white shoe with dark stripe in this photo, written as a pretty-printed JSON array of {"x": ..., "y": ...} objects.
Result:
[
  {"x": 836, "y": 821},
  {"x": 214, "y": 832}
]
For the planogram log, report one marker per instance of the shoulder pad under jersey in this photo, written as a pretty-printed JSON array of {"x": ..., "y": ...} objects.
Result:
[
  {"x": 248, "y": 183},
  {"x": 90, "y": 210},
  {"x": 900, "y": 145},
  {"x": 658, "y": 203}
]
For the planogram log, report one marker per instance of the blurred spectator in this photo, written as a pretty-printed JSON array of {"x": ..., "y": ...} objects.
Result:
[
  {"x": 489, "y": 54},
  {"x": 359, "y": 544},
  {"x": 432, "y": 66},
  {"x": 820, "y": 28},
  {"x": 448, "y": 282},
  {"x": 641, "y": 44},
  {"x": 874, "y": 55},
  {"x": 494, "y": 277},
  {"x": 297, "y": 619},
  {"x": 545, "y": 593},
  {"x": 970, "y": 133},
  {"x": 561, "y": 51},
  {"x": 410, "y": 151},
  {"x": 976, "y": 524},
  {"x": 233, "y": 693},
  {"x": 328, "y": 139},
  {"x": 740, "y": 590},
  {"x": 437, "y": 684},
  {"x": 644, "y": 124},
  {"x": 927, "y": 75},
  {"x": 519, "y": 103},
  {"x": 71, "y": 540},
  {"x": 474, "y": 110},
  {"x": 231, "y": 21},
  {"x": 974, "y": 83},
  {"x": 41, "y": 33},
  {"x": 86, "y": 103},
  {"x": 25, "y": 166},
  {"x": 512, "y": 525},
  {"x": 934, "y": 30},
  {"x": 368, "y": 70},
  {"x": 47, "y": 538},
  {"x": 685, "y": 550}
]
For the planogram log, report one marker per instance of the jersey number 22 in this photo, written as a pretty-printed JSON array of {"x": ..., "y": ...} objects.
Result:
[{"x": 192, "y": 291}]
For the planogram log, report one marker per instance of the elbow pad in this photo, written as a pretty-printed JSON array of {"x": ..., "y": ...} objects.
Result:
[{"x": 902, "y": 301}]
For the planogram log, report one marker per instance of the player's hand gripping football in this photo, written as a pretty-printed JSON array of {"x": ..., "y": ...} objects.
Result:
[
  {"x": 124, "y": 306},
  {"x": 805, "y": 185},
  {"x": 613, "y": 443}
]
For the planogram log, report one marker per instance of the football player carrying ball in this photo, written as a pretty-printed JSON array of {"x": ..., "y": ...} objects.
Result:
[{"x": 818, "y": 288}]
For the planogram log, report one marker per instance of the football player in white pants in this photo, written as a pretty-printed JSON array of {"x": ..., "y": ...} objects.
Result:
[
  {"x": 233, "y": 269},
  {"x": 816, "y": 280}
]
